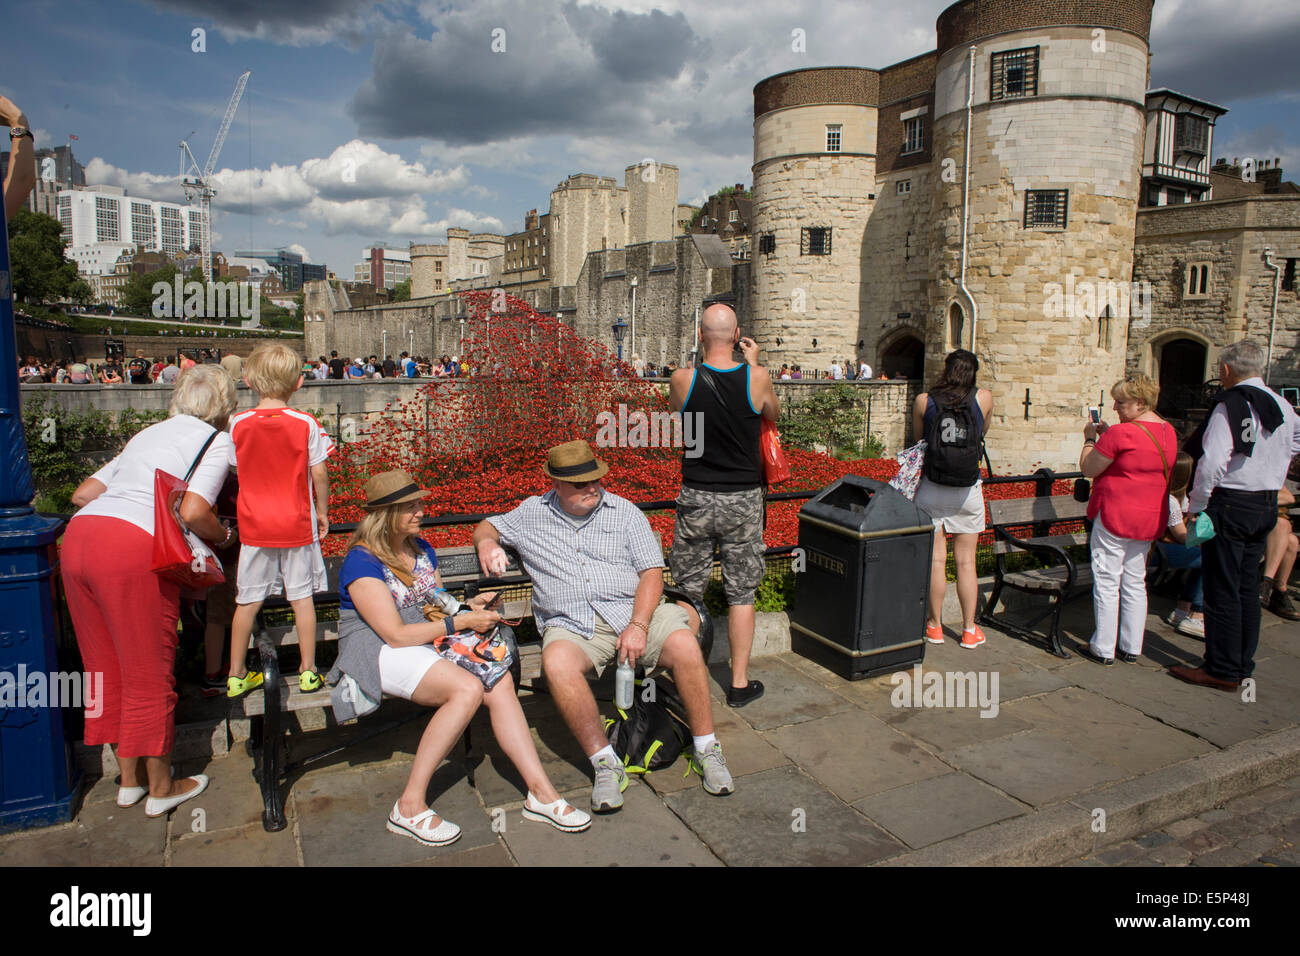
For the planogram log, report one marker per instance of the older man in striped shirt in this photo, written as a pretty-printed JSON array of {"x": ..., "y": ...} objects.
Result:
[{"x": 597, "y": 572}]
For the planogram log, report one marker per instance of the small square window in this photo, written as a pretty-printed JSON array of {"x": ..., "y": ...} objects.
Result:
[
  {"x": 833, "y": 132},
  {"x": 767, "y": 243},
  {"x": 815, "y": 241},
  {"x": 1046, "y": 208},
  {"x": 903, "y": 187}
]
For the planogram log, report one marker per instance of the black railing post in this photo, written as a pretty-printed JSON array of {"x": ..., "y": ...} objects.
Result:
[{"x": 1043, "y": 481}]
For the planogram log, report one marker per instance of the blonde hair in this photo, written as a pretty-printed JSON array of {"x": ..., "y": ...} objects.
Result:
[
  {"x": 273, "y": 370},
  {"x": 1139, "y": 388},
  {"x": 377, "y": 531},
  {"x": 205, "y": 391}
]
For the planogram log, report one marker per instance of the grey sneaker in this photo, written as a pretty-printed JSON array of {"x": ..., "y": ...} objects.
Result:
[
  {"x": 712, "y": 766},
  {"x": 607, "y": 792}
]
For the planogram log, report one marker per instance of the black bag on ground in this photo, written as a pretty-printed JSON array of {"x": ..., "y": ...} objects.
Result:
[
  {"x": 651, "y": 736},
  {"x": 953, "y": 444}
]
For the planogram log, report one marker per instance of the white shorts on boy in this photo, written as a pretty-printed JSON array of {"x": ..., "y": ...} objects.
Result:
[{"x": 294, "y": 572}]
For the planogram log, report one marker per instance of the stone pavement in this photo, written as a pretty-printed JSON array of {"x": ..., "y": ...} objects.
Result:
[{"x": 1076, "y": 762}]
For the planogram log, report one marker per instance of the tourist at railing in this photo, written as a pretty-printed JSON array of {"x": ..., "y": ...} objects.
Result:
[
  {"x": 124, "y": 615},
  {"x": 953, "y": 417},
  {"x": 393, "y": 641},
  {"x": 1132, "y": 465},
  {"x": 1243, "y": 450}
]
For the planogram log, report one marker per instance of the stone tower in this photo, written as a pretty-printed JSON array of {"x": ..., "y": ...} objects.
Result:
[{"x": 651, "y": 202}]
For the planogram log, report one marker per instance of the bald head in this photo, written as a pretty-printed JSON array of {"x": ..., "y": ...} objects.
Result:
[{"x": 718, "y": 326}]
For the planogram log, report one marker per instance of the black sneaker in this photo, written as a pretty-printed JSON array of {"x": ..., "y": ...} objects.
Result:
[
  {"x": 1265, "y": 591},
  {"x": 1087, "y": 652},
  {"x": 1128, "y": 658},
  {"x": 1282, "y": 605},
  {"x": 213, "y": 685},
  {"x": 740, "y": 696}
]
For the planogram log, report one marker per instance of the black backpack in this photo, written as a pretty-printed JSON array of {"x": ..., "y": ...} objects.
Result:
[
  {"x": 651, "y": 736},
  {"x": 953, "y": 444}
]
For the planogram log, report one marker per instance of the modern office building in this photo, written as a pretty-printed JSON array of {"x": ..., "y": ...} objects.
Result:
[
  {"x": 380, "y": 266},
  {"x": 293, "y": 271},
  {"x": 102, "y": 222}
]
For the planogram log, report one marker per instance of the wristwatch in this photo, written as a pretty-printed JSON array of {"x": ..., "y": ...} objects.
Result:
[{"x": 18, "y": 132}]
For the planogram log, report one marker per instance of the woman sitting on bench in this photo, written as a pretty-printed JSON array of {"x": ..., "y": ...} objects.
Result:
[{"x": 393, "y": 640}]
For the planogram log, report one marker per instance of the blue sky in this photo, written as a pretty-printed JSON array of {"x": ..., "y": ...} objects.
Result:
[{"x": 392, "y": 120}]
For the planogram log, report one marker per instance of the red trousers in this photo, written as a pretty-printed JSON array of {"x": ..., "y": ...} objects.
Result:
[{"x": 125, "y": 619}]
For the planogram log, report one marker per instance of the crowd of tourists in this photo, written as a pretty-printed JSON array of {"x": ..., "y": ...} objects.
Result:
[{"x": 137, "y": 370}]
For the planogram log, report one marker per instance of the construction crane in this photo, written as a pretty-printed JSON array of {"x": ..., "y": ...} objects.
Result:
[{"x": 198, "y": 181}]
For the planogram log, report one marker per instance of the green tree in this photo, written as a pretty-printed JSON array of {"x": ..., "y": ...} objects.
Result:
[
  {"x": 40, "y": 272},
  {"x": 80, "y": 292},
  {"x": 137, "y": 293},
  {"x": 402, "y": 291}
]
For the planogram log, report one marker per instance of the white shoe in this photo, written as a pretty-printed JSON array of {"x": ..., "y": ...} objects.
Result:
[
  {"x": 130, "y": 796},
  {"x": 1191, "y": 626},
  {"x": 159, "y": 806},
  {"x": 444, "y": 833},
  {"x": 553, "y": 813}
]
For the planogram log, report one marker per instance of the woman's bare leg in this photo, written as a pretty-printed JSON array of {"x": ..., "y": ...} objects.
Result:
[{"x": 457, "y": 695}]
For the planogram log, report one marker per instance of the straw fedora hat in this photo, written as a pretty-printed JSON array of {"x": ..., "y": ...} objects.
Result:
[
  {"x": 392, "y": 488},
  {"x": 574, "y": 461}
]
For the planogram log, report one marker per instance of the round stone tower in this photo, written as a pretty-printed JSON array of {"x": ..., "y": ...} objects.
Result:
[
  {"x": 1056, "y": 127},
  {"x": 814, "y": 189}
]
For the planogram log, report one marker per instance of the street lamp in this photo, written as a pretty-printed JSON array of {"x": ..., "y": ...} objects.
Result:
[
  {"x": 620, "y": 330},
  {"x": 634, "y": 315}
]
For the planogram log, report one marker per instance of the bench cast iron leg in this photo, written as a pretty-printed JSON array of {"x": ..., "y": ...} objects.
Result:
[
  {"x": 1055, "y": 635},
  {"x": 992, "y": 605},
  {"x": 272, "y": 769}
]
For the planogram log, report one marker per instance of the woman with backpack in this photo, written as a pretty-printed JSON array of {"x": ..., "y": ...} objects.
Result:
[
  {"x": 1132, "y": 464},
  {"x": 953, "y": 418}
]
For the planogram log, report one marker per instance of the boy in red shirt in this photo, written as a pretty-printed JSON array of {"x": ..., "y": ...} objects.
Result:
[{"x": 283, "y": 511}]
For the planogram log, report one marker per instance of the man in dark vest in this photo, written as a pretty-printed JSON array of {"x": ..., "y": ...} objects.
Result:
[
  {"x": 1242, "y": 452},
  {"x": 721, "y": 500}
]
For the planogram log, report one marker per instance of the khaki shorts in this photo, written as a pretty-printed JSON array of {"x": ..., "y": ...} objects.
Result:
[{"x": 601, "y": 647}]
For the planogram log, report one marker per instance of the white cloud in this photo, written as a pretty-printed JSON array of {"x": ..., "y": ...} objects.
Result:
[
  {"x": 41, "y": 138},
  {"x": 149, "y": 185},
  {"x": 362, "y": 170},
  {"x": 302, "y": 251}
]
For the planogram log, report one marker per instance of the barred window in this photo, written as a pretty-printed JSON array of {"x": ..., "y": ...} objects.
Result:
[
  {"x": 1046, "y": 208},
  {"x": 815, "y": 241},
  {"x": 914, "y": 135},
  {"x": 767, "y": 243},
  {"x": 1191, "y": 134},
  {"x": 1014, "y": 73},
  {"x": 833, "y": 132}
]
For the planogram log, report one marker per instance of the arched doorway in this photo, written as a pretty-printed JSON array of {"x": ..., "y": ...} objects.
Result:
[
  {"x": 903, "y": 358},
  {"x": 1182, "y": 375}
]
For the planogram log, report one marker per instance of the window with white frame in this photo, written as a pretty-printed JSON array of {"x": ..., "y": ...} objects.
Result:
[
  {"x": 833, "y": 133},
  {"x": 903, "y": 187},
  {"x": 914, "y": 135},
  {"x": 1198, "y": 281}
]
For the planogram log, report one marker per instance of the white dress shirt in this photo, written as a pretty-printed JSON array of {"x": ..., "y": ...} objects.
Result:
[{"x": 1265, "y": 470}]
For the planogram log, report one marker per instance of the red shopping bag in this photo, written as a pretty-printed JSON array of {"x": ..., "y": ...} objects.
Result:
[
  {"x": 775, "y": 468},
  {"x": 178, "y": 553}
]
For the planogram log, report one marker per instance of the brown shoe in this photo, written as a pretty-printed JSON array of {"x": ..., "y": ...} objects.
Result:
[
  {"x": 1280, "y": 603},
  {"x": 1197, "y": 675}
]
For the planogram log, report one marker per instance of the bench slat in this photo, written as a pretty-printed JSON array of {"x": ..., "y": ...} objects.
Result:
[
  {"x": 1026, "y": 510},
  {"x": 1060, "y": 540},
  {"x": 1049, "y": 580}
]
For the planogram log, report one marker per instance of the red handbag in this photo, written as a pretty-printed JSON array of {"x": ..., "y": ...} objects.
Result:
[
  {"x": 775, "y": 468},
  {"x": 178, "y": 553}
]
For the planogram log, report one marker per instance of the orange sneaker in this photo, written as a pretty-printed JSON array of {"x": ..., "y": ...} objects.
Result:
[
  {"x": 973, "y": 638},
  {"x": 933, "y": 634}
]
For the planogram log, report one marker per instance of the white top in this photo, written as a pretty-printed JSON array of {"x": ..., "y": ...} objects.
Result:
[
  {"x": 836, "y": 371},
  {"x": 1265, "y": 470},
  {"x": 1176, "y": 508},
  {"x": 170, "y": 445},
  {"x": 864, "y": 371}
]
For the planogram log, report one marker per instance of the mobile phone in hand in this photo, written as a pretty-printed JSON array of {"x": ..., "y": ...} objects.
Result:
[{"x": 1095, "y": 414}]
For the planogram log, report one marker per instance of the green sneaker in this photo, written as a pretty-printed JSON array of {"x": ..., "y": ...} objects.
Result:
[
  {"x": 310, "y": 681},
  {"x": 239, "y": 686},
  {"x": 712, "y": 766},
  {"x": 607, "y": 792}
]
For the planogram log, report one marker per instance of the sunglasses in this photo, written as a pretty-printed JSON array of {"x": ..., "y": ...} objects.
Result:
[{"x": 578, "y": 485}]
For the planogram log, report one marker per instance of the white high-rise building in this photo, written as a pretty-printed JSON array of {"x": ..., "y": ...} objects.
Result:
[{"x": 101, "y": 222}]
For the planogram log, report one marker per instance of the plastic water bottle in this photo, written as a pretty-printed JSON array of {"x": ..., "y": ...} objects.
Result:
[
  {"x": 447, "y": 601},
  {"x": 624, "y": 686}
]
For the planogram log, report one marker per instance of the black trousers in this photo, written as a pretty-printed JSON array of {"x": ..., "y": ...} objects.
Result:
[{"x": 1230, "y": 562}]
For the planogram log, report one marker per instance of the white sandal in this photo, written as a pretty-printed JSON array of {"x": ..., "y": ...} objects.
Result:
[
  {"x": 553, "y": 813},
  {"x": 444, "y": 833}
]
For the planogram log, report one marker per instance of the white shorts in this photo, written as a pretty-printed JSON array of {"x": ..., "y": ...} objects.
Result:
[
  {"x": 402, "y": 668},
  {"x": 294, "y": 572},
  {"x": 956, "y": 510}
]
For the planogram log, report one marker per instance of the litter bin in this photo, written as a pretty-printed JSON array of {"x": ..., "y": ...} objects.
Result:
[{"x": 860, "y": 598}]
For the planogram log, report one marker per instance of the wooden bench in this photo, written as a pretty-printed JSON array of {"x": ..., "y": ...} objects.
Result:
[
  {"x": 1024, "y": 525},
  {"x": 461, "y": 575}
]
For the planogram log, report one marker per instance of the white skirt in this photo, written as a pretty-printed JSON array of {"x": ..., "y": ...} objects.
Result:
[{"x": 956, "y": 510}]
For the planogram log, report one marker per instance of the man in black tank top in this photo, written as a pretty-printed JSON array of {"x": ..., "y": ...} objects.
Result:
[{"x": 721, "y": 501}]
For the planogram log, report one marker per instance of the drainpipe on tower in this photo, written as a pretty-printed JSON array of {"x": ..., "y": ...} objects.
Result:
[
  {"x": 965, "y": 201},
  {"x": 1272, "y": 328}
]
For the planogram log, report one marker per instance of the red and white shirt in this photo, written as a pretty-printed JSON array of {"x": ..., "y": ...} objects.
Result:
[{"x": 274, "y": 450}]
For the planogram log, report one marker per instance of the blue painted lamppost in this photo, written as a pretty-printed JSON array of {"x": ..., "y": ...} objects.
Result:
[
  {"x": 37, "y": 778},
  {"x": 620, "y": 330}
]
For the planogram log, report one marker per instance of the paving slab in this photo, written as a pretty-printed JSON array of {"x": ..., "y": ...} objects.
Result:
[
  {"x": 1109, "y": 731},
  {"x": 643, "y": 833},
  {"x": 931, "y": 810},
  {"x": 746, "y": 750},
  {"x": 790, "y": 698},
  {"x": 869, "y": 693},
  {"x": 103, "y": 834},
  {"x": 1221, "y": 718},
  {"x": 949, "y": 728},
  {"x": 854, "y": 754},
  {"x": 1035, "y": 767},
  {"x": 232, "y": 799},
  {"x": 247, "y": 845},
  {"x": 782, "y": 817},
  {"x": 494, "y": 855},
  {"x": 341, "y": 816}
]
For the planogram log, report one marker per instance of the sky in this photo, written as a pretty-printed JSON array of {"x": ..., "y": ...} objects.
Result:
[{"x": 390, "y": 120}]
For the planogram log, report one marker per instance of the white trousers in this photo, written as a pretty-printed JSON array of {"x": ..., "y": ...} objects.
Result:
[{"x": 1119, "y": 591}]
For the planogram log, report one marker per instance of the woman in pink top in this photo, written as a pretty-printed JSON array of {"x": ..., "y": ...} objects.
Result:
[{"x": 1129, "y": 507}]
